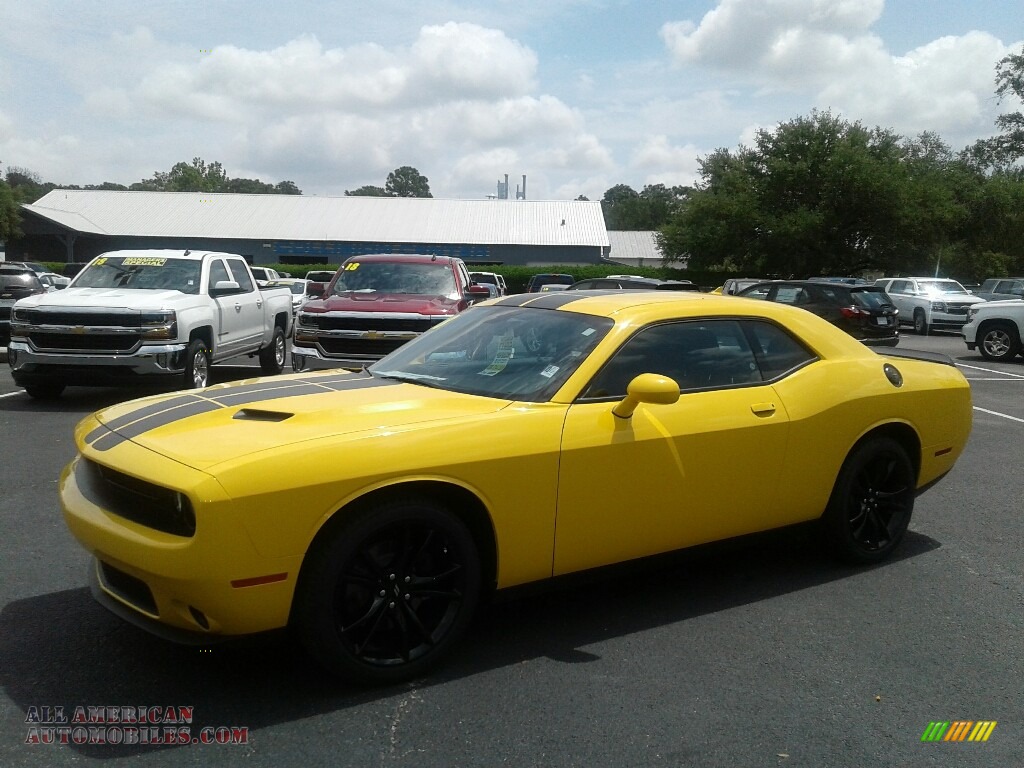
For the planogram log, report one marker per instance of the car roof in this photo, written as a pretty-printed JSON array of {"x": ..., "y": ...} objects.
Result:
[
  {"x": 168, "y": 253},
  {"x": 404, "y": 258}
]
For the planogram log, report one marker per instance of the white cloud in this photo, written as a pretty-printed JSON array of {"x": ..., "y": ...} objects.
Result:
[{"x": 663, "y": 163}]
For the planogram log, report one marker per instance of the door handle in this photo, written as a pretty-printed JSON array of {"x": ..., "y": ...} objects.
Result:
[
  {"x": 763, "y": 409},
  {"x": 238, "y": 307}
]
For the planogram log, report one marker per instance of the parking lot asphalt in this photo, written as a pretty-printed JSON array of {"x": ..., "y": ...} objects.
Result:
[{"x": 761, "y": 652}]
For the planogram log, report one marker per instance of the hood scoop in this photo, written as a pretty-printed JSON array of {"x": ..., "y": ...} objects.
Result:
[{"x": 258, "y": 414}]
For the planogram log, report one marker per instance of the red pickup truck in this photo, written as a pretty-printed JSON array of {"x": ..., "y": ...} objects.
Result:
[{"x": 377, "y": 302}]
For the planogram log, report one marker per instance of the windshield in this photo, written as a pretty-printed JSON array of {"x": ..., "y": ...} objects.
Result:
[
  {"x": 513, "y": 353},
  {"x": 299, "y": 289},
  {"x": 426, "y": 279},
  {"x": 142, "y": 273},
  {"x": 942, "y": 286}
]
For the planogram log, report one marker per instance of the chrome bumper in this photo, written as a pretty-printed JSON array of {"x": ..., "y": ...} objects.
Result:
[{"x": 148, "y": 360}]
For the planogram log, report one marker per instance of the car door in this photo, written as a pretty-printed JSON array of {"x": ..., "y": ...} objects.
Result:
[
  {"x": 249, "y": 301},
  {"x": 670, "y": 476},
  {"x": 903, "y": 295}
]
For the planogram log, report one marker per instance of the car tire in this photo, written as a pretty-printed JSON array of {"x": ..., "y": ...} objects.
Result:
[
  {"x": 273, "y": 355},
  {"x": 47, "y": 390},
  {"x": 999, "y": 342},
  {"x": 197, "y": 366},
  {"x": 384, "y": 595},
  {"x": 920, "y": 323},
  {"x": 872, "y": 501}
]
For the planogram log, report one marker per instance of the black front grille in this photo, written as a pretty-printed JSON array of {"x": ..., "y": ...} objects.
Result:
[
  {"x": 414, "y": 324},
  {"x": 137, "y": 500},
  {"x": 5, "y": 313},
  {"x": 121, "y": 342},
  {"x": 128, "y": 588},
  {"x": 956, "y": 310},
  {"x": 97, "y": 319},
  {"x": 360, "y": 347}
]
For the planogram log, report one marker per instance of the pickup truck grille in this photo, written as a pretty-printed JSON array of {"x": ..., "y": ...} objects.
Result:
[
  {"x": 369, "y": 348},
  {"x": 5, "y": 313},
  {"x": 328, "y": 323},
  {"x": 88, "y": 319},
  {"x": 93, "y": 342}
]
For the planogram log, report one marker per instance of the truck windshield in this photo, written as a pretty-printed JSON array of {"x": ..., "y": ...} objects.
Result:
[
  {"x": 432, "y": 279},
  {"x": 158, "y": 273}
]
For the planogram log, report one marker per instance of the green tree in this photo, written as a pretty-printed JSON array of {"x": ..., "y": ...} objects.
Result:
[
  {"x": 198, "y": 176},
  {"x": 367, "y": 191},
  {"x": 407, "y": 182},
  {"x": 9, "y": 216},
  {"x": 818, "y": 195},
  {"x": 626, "y": 209}
]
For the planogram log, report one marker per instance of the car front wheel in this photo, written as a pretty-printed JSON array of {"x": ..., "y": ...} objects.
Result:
[
  {"x": 999, "y": 342},
  {"x": 272, "y": 355},
  {"x": 197, "y": 366},
  {"x": 872, "y": 501},
  {"x": 384, "y": 595},
  {"x": 920, "y": 322}
]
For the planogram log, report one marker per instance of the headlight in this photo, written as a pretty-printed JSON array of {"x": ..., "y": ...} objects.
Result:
[
  {"x": 971, "y": 313},
  {"x": 938, "y": 306},
  {"x": 159, "y": 325},
  {"x": 19, "y": 315},
  {"x": 306, "y": 320}
]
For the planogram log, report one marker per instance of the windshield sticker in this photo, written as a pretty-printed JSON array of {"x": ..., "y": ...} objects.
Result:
[
  {"x": 506, "y": 350},
  {"x": 100, "y": 262},
  {"x": 143, "y": 261},
  {"x": 550, "y": 371},
  {"x": 352, "y": 267},
  {"x": 589, "y": 331}
]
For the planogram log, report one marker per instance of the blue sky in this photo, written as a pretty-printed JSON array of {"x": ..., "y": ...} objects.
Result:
[{"x": 579, "y": 95}]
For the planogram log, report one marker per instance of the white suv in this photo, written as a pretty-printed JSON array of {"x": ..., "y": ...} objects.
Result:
[{"x": 930, "y": 302}]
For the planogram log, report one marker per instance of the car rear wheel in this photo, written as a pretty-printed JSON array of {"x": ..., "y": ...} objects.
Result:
[
  {"x": 272, "y": 356},
  {"x": 872, "y": 501},
  {"x": 197, "y": 365},
  {"x": 999, "y": 342},
  {"x": 383, "y": 596},
  {"x": 920, "y": 322}
]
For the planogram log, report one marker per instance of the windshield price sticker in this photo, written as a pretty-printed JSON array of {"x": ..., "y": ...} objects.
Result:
[{"x": 143, "y": 261}]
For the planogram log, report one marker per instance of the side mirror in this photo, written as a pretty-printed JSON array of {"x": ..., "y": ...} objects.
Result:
[
  {"x": 650, "y": 388},
  {"x": 224, "y": 287}
]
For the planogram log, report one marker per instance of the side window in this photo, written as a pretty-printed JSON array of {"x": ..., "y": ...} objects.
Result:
[
  {"x": 711, "y": 354},
  {"x": 218, "y": 272},
  {"x": 776, "y": 351},
  {"x": 241, "y": 275},
  {"x": 792, "y": 294},
  {"x": 900, "y": 286}
]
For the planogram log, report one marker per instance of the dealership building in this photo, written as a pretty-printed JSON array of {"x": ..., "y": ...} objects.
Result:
[{"x": 72, "y": 225}]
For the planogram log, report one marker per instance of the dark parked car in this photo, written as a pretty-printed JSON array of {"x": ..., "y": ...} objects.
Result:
[
  {"x": 537, "y": 282},
  {"x": 33, "y": 266},
  {"x": 632, "y": 283},
  {"x": 864, "y": 311},
  {"x": 15, "y": 283}
]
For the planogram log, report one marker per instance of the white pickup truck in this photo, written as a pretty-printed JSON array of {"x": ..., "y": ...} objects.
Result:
[
  {"x": 995, "y": 329},
  {"x": 155, "y": 315}
]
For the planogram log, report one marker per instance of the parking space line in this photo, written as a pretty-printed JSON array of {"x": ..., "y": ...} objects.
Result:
[
  {"x": 12, "y": 394},
  {"x": 997, "y": 413},
  {"x": 991, "y": 370}
]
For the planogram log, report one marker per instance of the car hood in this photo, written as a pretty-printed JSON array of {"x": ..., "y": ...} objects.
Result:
[
  {"x": 207, "y": 427},
  {"x": 372, "y": 301},
  {"x": 107, "y": 298}
]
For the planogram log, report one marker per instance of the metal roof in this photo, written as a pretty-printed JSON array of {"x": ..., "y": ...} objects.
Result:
[
  {"x": 345, "y": 219},
  {"x": 633, "y": 246}
]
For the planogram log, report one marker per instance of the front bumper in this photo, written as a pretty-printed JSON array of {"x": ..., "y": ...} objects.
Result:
[
  {"x": 29, "y": 365},
  {"x": 312, "y": 359},
  {"x": 183, "y": 588}
]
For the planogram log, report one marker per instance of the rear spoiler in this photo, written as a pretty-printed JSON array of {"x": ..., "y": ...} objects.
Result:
[{"x": 917, "y": 354}]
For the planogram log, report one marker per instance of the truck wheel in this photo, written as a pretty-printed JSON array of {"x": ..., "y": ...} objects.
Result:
[
  {"x": 47, "y": 390},
  {"x": 999, "y": 342},
  {"x": 272, "y": 355},
  {"x": 197, "y": 365},
  {"x": 920, "y": 323}
]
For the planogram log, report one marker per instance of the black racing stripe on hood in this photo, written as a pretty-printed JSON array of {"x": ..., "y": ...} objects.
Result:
[
  {"x": 517, "y": 300},
  {"x": 105, "y": 437},
  {"x": 142, "y": 413},
  {"x": 142, "y": 426},
  {"x": 558, "y": 299}
]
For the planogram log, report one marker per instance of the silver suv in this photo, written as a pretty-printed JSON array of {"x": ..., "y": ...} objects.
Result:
[{"x": 929, "y": 303}]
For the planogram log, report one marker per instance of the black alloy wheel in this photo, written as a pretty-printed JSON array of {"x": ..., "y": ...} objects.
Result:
[
  {"x": 383, "y": 596},
  {"x": 872, "y": 501}
]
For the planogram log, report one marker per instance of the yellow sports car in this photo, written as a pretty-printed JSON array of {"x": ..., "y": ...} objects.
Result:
[{"x": 532, "y": 436}]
